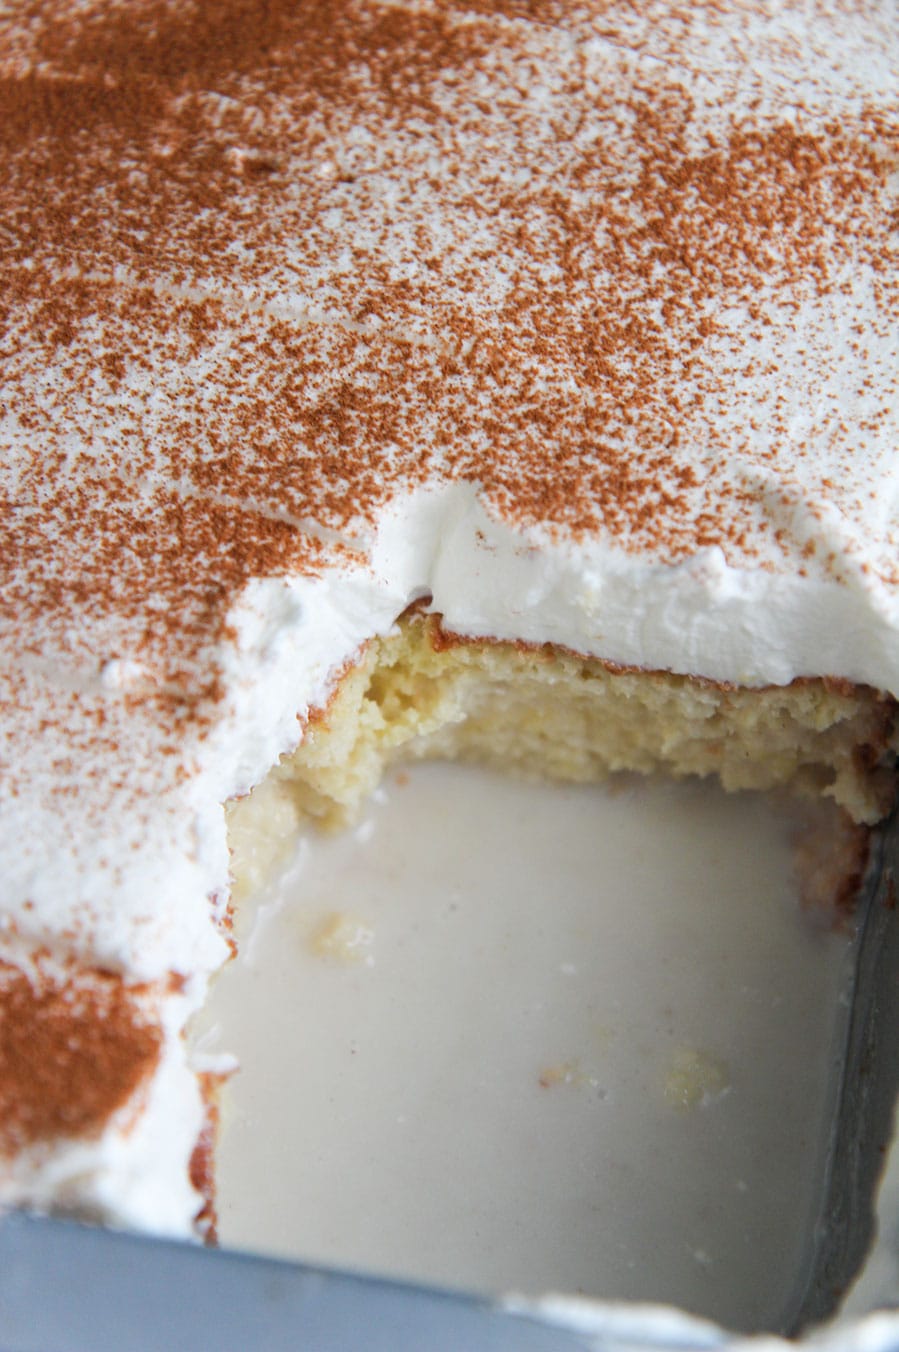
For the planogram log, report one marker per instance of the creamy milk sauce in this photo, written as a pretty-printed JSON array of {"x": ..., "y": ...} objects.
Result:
[{"x": 505, "y": 1036}]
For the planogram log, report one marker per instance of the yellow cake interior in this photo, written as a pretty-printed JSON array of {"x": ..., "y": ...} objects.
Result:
[{"x": 543, "y": 711}]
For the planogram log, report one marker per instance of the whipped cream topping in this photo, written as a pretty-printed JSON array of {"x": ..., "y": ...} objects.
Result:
[
  {"x": 581, "y": 323},
  {"x": 134, "y": 1169}
]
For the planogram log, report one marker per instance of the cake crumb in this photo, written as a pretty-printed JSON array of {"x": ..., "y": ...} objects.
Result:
[
  {"x": 568, "y": 1072},
  {"x": 696, "y": 1079},
  {"x": 343, "y": 938}
]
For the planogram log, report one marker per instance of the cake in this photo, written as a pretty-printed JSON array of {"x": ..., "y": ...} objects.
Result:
[{"x": 495, "y": 378}]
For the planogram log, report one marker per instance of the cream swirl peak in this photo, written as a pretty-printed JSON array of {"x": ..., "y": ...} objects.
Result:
[{"x": 581, "y": 321}]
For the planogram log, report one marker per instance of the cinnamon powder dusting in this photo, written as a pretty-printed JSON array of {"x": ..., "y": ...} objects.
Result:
[
  {"x": 266, "y": 265},
  {"x": 72, "y": 1053}
]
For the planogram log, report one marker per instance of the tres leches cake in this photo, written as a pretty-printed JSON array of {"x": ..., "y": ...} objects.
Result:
[{"x": 512, "y": 379}]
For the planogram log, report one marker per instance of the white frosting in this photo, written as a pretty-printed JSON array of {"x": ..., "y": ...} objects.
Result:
[{"x": 701, "y": 616}]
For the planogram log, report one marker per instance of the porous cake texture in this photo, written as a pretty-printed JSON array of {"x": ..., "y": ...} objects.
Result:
[
  {"x": 420, "y": 693},
  {"x": 573, "y": 324}
]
